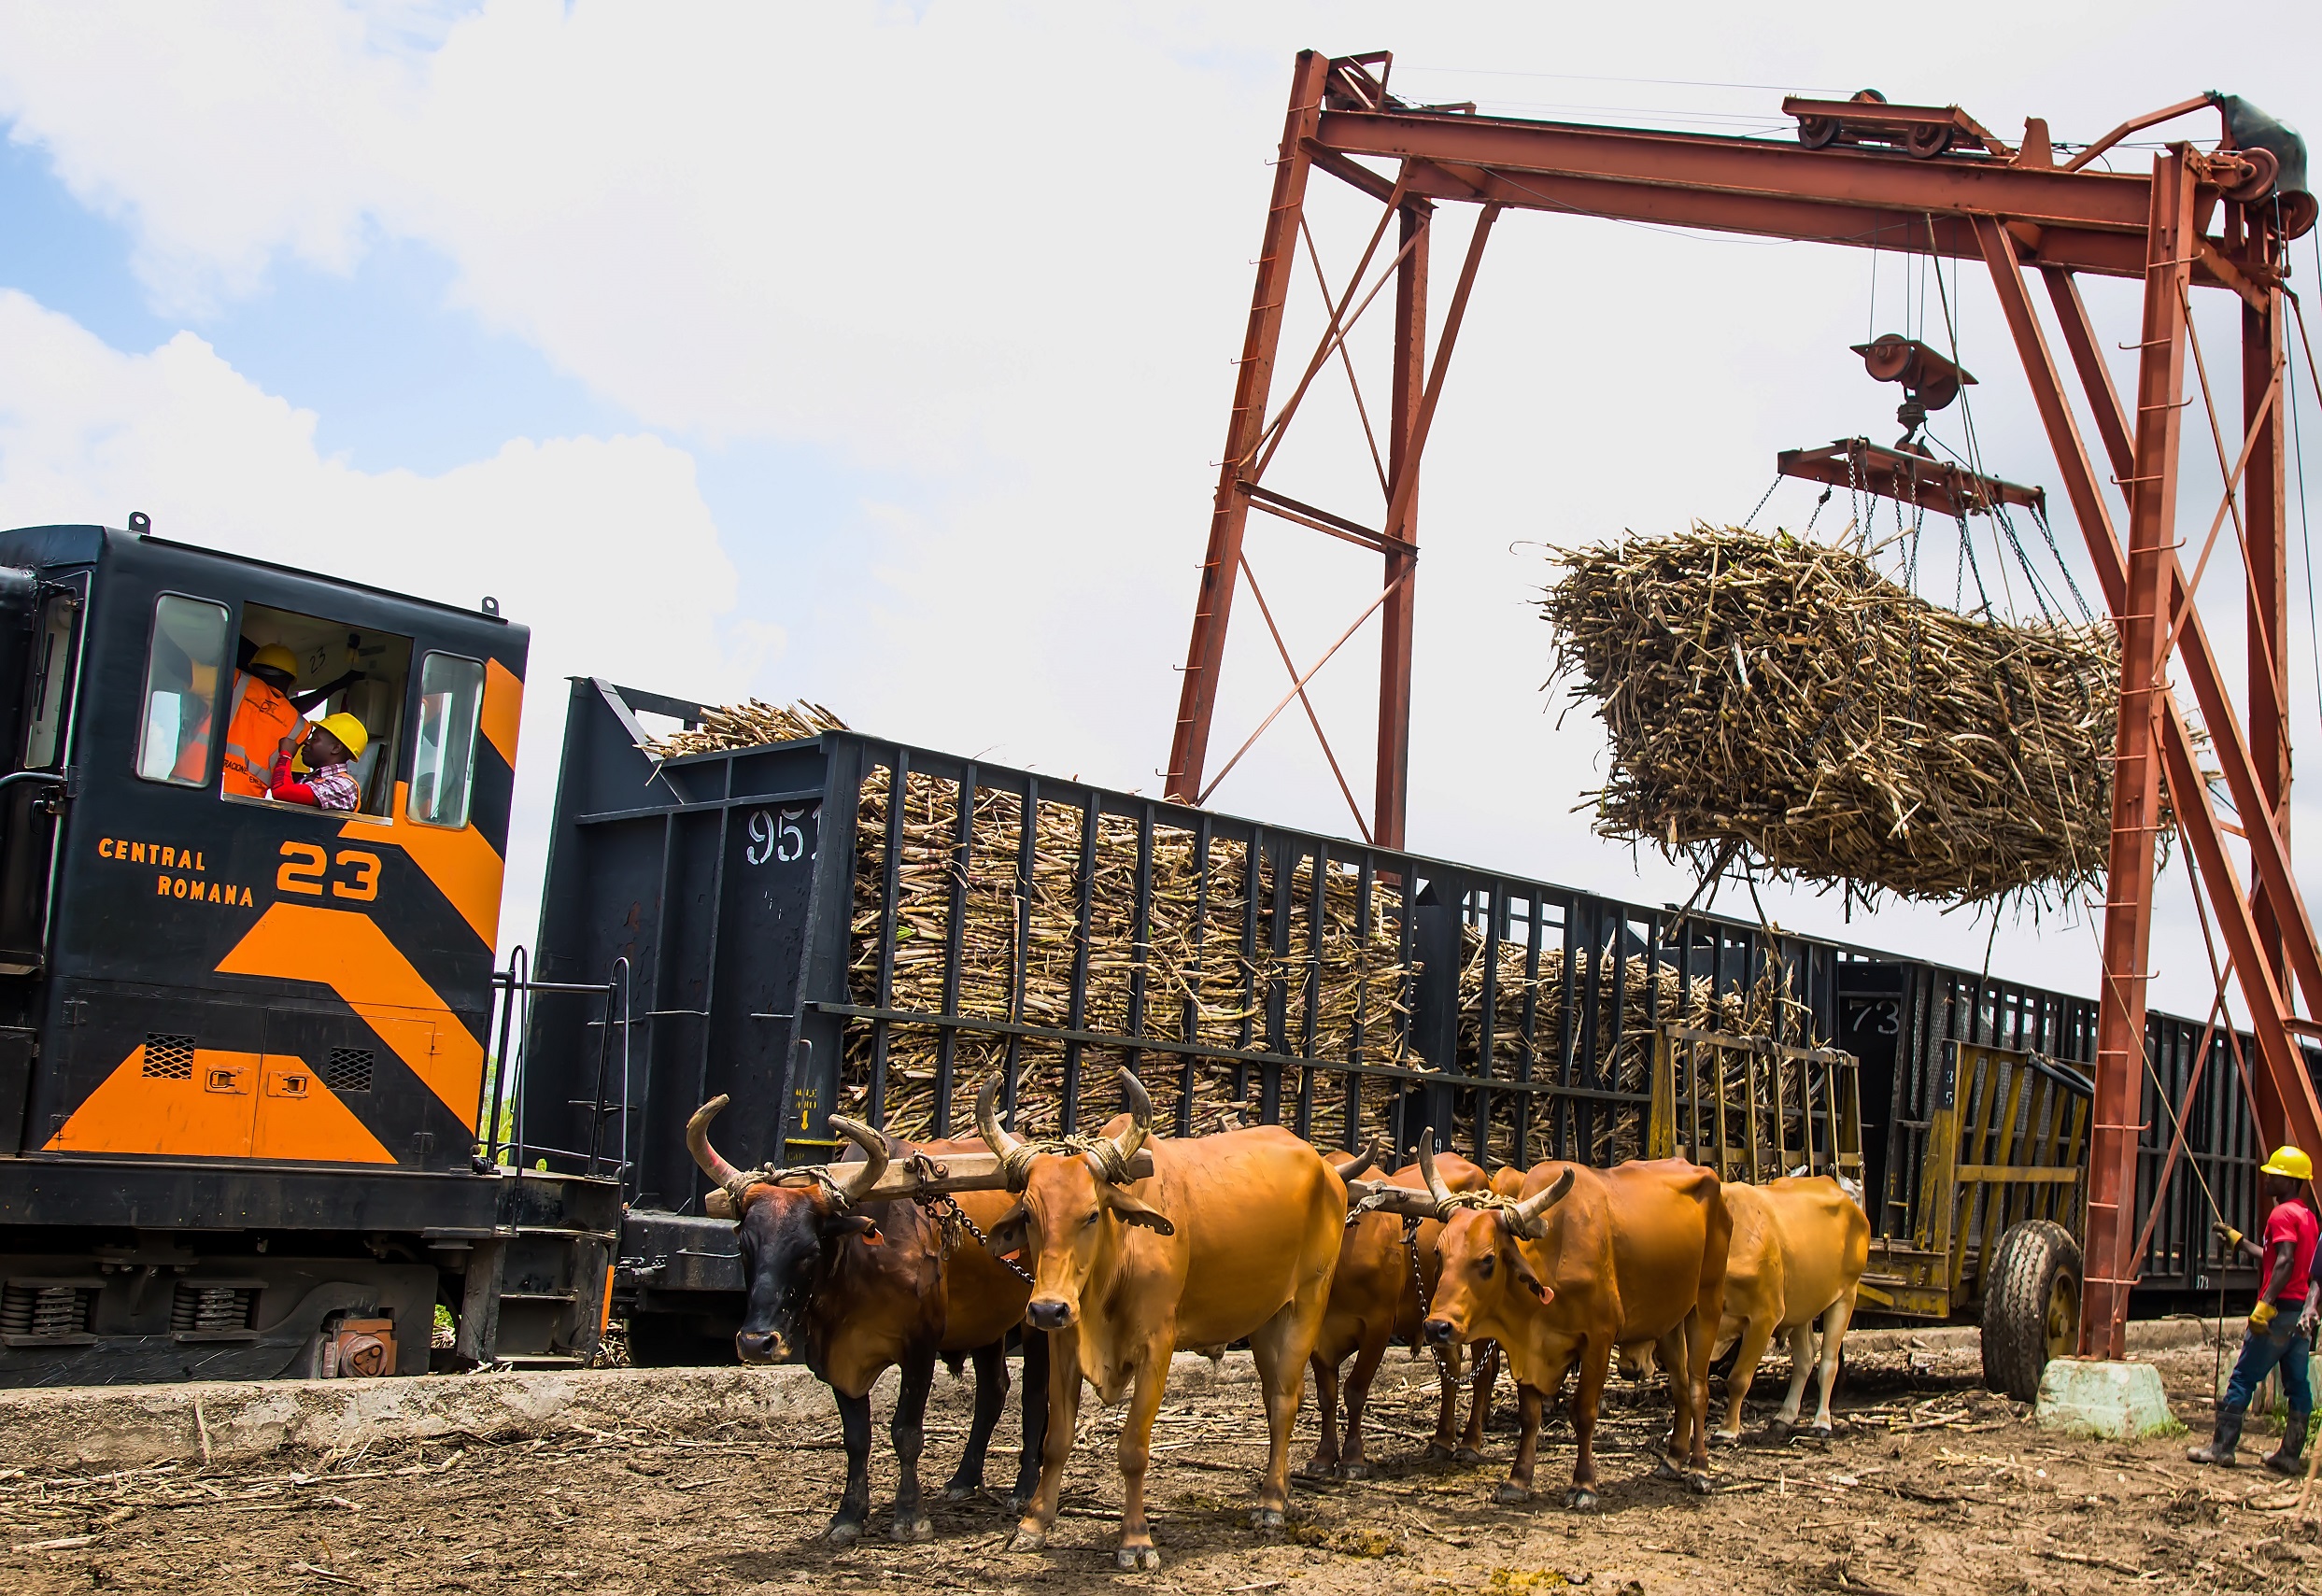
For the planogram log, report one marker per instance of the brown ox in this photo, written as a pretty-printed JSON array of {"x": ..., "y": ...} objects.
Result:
[
  {"x": 1799, "y": 1248},
  {"x": 1233, "y": 1237},
  {"x": 1581, "y": 1263},
  {"x": 1374, "y": 1298},
  {"x": 852, "y": 1290}
]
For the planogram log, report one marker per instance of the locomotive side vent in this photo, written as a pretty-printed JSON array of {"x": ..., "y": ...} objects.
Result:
[
  {"x": 168, "y": 1058},
  {"x": 348, "y": 1069},
  {"x": 47, "y": 1310},
  {"x": 207, "y": 1309}
]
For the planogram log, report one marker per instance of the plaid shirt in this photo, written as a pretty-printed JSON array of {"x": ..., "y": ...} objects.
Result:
[{"x": 334, "y": 786}]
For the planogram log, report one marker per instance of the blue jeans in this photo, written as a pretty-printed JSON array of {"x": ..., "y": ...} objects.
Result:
[{"x": 2280, "y": 1346}]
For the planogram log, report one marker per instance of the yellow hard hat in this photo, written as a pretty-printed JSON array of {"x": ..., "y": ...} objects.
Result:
[
  {"x": 348, "y": 730},
  {"x": 275, "y": 656},
  {"x": 2290, "y": 1162}
]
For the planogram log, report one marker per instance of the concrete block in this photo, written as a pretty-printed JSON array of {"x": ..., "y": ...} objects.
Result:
[{"x": 2119, "y": 1402}]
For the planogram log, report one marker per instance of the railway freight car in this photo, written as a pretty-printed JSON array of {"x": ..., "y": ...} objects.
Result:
[
  {"x": 242, "y": 1041},
  {"x": 846, "y": 923}
]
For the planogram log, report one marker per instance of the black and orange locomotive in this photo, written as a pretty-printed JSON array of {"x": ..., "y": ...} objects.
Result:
[{"x": 243, "y": 1042}]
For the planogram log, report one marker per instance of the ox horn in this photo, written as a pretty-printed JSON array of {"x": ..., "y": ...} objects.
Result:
[
  {"x": 860, "y": 1180},
  {"x": 1436, "y": 1188},
  {"x": 987, "y": 1124},
  {"x": 1525, "y": 1216},
  {"x": 1140, "y": 1117},
  {"x": 698, "y": 1143}
]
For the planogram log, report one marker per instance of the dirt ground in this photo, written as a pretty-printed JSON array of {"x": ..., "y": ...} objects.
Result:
[{"x": 1930, "y": 1485}]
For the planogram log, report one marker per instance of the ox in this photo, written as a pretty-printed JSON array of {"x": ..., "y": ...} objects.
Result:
[
  {"x": 1799, "y": 1244},
  {"x": 1579, "y": 1263},
  {"x": 1376, "y": 1297},
  {"x": 1233, "y": 1237},
  {"x": 852, "y": 1292}
]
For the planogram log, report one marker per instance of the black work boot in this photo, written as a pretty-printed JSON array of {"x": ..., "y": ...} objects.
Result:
[
  {"x": 2289, "y": 1457},
  {"x": 2221, "y": 1445}
]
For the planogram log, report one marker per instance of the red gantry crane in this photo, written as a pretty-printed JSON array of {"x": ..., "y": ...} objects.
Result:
[{"x": 1873, "y": 175}]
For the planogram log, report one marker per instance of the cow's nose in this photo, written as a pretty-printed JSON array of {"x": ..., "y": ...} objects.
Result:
[
  {"x": 1438, "y": 1331},
  {"x": 1048, "y": 1314},
  {"x": 756, "y": 1345}
]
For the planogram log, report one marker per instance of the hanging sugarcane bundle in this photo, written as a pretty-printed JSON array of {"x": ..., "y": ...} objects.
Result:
[{"x": 1776, "y": 693}]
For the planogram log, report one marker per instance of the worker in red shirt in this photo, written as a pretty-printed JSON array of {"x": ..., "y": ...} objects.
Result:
[{"x": 2281, "y": 1326}]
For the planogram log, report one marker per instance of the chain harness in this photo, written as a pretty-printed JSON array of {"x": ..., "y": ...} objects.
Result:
[
  {"x": 1419, "y": 1280},
  {"x": 1410, "y": 1248},
  {"x": 950, "y": 1217}
]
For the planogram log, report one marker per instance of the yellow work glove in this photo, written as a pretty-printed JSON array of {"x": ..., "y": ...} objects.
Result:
[
  {"x": 2261, "y": 1317},
  {"x": 2232, "y": 1238}
]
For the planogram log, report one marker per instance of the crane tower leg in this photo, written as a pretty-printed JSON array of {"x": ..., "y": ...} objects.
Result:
[
  {"x": 1244, "y": 430},
  {"x": 2126, "y": 939}
]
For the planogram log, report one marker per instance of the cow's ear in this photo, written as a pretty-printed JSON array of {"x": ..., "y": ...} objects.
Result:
[
  {"x": 862, "y": 1225},
  {"x": 1007, "y": 1237},
  {"x": 1133, "y": 1211},
  {"x": 1530, "y": 1281}
]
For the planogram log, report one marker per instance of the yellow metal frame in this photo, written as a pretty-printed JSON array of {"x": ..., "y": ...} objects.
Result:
[
  {"x": 2006, "y": 1141},
  {"x": 1749, "y": 1106}
]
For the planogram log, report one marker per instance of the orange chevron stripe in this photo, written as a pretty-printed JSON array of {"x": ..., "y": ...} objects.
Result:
[
  {"x": 348, "y": 952},
  {"x": 463, "y": 867},
  {"x": 503, "y": 708},
  {"x": 129, "y": 1113}
]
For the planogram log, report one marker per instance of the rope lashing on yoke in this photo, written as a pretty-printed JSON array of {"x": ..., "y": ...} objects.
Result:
[
  {"x": 1112, "y": 1163},
  {"x": 845, "y": 1186},
  {"x": 1438, "y": 1201},
  {"x": 1108, "y": 1155}
]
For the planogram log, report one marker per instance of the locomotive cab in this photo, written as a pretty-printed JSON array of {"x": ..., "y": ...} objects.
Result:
[{"x": 241, "y": 1039}]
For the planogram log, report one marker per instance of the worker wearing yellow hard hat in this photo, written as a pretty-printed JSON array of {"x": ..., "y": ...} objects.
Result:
[
  {"x": 263, "y": 711},
  {"x": 332, "y": 746},
  {"x": 2282, "y": 1325}
]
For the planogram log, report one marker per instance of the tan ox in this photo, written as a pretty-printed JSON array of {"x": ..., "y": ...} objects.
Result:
[
  {"x": 1233, "y": 1237},
  {"x": 1583, "y": 1262},
  {"x": 1800, "y": 1246},
  {"x": 1374, "y": 1299}
]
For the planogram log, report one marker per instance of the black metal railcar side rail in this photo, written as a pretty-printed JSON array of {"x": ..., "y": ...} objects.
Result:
[
  {"x": 732, "y": 883},
  {"x": 766, "y": 964},
  {"x": 1565, "y": 1074}
]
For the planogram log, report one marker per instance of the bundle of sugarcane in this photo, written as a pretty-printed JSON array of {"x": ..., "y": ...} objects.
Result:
[
  {"x": 1206, "y": 972},
  {"x": 750, "y": 723},
  {"x": 1649, "y": 992},
  {"x": 1780, "y": 694}
]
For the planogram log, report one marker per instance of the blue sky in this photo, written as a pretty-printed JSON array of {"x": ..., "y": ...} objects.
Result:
[
  {"x": 879, "y": 354},
  {"x": 399, "y": 377}
]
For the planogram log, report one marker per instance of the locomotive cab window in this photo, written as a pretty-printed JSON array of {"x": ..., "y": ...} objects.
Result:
[
  {"x": 185, "y": 674},
  {"x": 335, "y": 691},
  {"x": 442, "y": 769}
]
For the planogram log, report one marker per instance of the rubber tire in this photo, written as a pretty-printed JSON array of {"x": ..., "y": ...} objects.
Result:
[{"x": 2034, "y": 1260}]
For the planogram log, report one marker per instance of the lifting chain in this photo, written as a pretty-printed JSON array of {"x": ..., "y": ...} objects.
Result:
[{"x": 950, "y": 1217}]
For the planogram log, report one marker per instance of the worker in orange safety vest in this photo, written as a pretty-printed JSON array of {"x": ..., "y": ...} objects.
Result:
[{"x": 261, "y": 713}]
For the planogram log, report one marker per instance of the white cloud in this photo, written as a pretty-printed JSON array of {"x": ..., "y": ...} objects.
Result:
[
  {"x": 603, "y": 546},
  {"x": 999, "y": 252}
]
